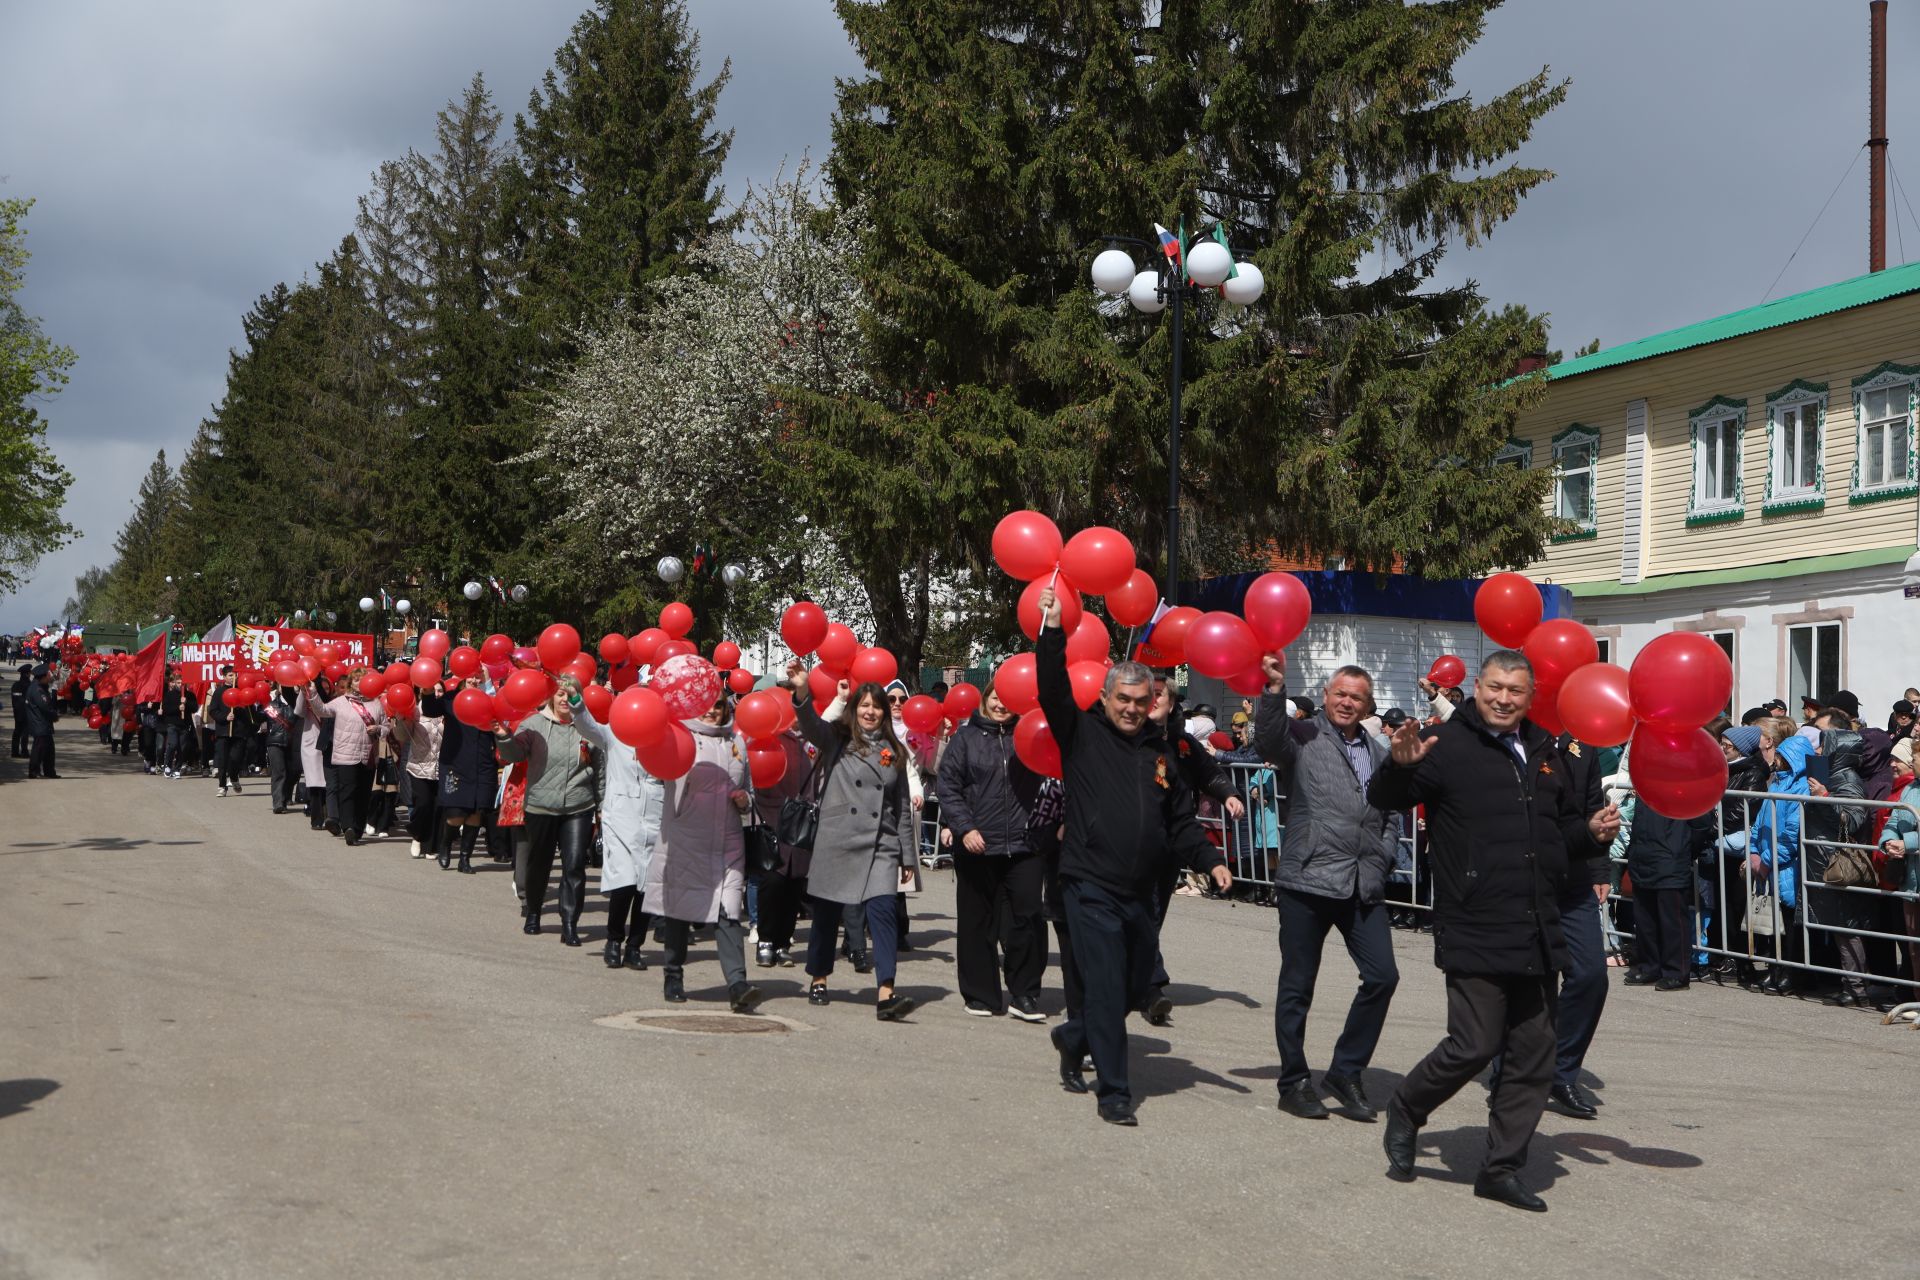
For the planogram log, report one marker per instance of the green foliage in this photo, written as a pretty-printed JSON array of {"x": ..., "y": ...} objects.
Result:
[{"x": 33, "y": 485}]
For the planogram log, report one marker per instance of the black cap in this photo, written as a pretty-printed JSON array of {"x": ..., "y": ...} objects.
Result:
[
  {"x": 1842, "y": 700},
  {"x": 1810, "y": 701},
  {"x": 1394, "y": 718},
  {"x": 1903, "y": 708},
  {"x": 1303, "y": 705}
]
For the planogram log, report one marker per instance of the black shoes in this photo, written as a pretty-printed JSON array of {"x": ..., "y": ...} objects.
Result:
[
  {"x": 1400, "y": 1139},
  {"x": 743, "y": 996},
  {"x": 1352, "y": 1096},
  {"x": 862, "y": 961},
  {"x": 612, "y": 954},
  {"x": 1638, "y": 978},
  {"x": 674, "y": 990},
  {"x": 1572, "y": 1100},
  {"x": 1303, "y": 1100},
  {"x": 1846, "y": 1000},
  {"x": 1778, "y": 982},
  {"x": 466, "y": 862},
  {"x": 569, "y": 933},
  {"x": 532, "y": 925},
  {"x": 1507, "y": 1190},
  {"x": 894, "y": 1008},
  {"x": 1027, "y": 1009},
  {"x": 1070, "y": 1078},
  {"x": 1118, "y": 1111},
  {"x": 1159, "y": 1010},
  {"x": 817, "y": 994},
  {"x": 763, "y": 955},
  {"x": 1671, "y": 984},
  {"x": 631, "y": 957},
  {"x": 444, "y": 857}
]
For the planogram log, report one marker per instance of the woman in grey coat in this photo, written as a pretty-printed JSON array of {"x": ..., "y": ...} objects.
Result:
[
  {"x": 863, "y": 850},
  {"x": 629, "y": 830}
]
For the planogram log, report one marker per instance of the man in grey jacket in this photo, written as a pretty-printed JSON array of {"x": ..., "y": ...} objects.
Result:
[{"x": 1334, "y": 863}]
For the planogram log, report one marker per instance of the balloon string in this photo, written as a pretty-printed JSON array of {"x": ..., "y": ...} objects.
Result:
[{"x": 1051, "y": 586}]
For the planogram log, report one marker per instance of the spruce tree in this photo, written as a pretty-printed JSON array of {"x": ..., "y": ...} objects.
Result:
[
  {"x": 1353, "y": 411},
  {"x": 135, "y": 582}
]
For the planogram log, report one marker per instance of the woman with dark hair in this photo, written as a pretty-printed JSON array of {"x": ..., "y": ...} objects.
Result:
[
  {"x": 282, "y": 712},
  {"x": 562, "y": 793},
  {"x": 863, "y": 848},
  {"x": 630, "y": 806},
  {"x": 177, "y": 706},
  {"x": 358, "y": 723},
  {"x": 469, "y": 779}
]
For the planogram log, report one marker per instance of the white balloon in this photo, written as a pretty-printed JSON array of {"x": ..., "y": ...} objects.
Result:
[
  {"x": 670, "y": 569},
  {"x": 471, "y": 591},
  {"x": 1208, "y": 263},
  {"x": 1144, "y": 293},
  {"x": 1113, "y": 271},
  {"x": 1246, "y": 287}
]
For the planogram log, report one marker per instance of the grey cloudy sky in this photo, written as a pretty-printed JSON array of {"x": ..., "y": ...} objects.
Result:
[{"x": 187, "y": 156}]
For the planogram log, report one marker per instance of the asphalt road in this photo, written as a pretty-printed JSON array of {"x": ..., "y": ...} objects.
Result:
[{"x": 229, "y": 1047}]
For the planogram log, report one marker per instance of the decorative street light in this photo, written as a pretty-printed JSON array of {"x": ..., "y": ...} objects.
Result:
[
  {"x": 519, "y": 593},
  {"x": 472, "y": 590},
  {"x": 1208, "y": 266},
  {"x": 671, "y": 569},
  {"x": 733, "y": 574}
]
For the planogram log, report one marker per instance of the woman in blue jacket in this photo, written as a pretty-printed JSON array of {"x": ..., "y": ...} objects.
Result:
[{"x": 1773, "y": 851}]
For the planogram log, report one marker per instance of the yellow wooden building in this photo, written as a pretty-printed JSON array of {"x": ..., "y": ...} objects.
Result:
[{"x": 1752, "y": 477}]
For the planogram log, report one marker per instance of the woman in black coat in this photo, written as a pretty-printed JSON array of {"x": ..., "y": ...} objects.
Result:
[
  {"x": 1661, "y": 852},
  {"x": 469, "y": 774}
]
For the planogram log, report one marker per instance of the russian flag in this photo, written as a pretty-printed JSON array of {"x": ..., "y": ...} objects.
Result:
[
  {"x": 1159, "y": 611},
  {"x": 1169, "y": 243}
]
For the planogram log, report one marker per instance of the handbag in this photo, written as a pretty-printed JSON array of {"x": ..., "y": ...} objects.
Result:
[
  {"x": 763, "y": 846},
  {"x": 1850, "y": 868},
  {"x": 1763, "y": 915},
  {"x": 800, "y": 814}
]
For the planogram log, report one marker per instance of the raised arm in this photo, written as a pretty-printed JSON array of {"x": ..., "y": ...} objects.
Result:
[
  {"x": 1056, "y": 686},
  {"x": 1410, "y": 776}
]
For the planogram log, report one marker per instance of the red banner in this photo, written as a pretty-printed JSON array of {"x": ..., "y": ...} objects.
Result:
[{"x": 201, "y": 660}]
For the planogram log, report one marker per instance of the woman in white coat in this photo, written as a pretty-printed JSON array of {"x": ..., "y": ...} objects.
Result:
[
  {"x": 313, "y": 764},
  {"x": 698, "y": 873},
  {"x": 629, "y": 829}
]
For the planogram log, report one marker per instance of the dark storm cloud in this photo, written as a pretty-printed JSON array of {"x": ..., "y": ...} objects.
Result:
[{"x": 186, "y": 157}]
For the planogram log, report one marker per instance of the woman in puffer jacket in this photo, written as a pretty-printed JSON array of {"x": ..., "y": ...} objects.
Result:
[
  {"x": 699, "y": 870},
  {"x": 1773, "y": 847}
]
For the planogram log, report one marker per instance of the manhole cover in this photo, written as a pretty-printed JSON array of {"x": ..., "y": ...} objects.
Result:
[{"x": 701, "y": 1022}]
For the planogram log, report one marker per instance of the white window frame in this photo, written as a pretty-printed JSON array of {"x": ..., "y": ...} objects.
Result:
[
  {"x": 1728, "y": 639},
  {"x": 1605, "y": 645},
  {"x": 1824, "y": 682},
  {"x": 1787, "y": 410},
  {"x": 1710, "y": 423},
  {"x": 1888, "y": 377},
  {"x": 1575, "y": 437}
]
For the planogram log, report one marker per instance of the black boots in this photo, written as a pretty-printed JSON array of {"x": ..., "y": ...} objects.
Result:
[
  {"x": 569, "y": 932},
  {"x": 631, "y": 957},
  {"x": 468, "y": 837},
  {"x": 612, "y": 954},
  {"x": 444, "y": 853}
]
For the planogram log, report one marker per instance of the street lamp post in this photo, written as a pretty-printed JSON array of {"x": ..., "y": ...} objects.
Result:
[{"x": 1178, "y": 276}]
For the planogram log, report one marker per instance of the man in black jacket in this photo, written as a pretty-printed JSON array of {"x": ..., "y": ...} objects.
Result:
[
  {"x": 41, "y": 712},
  {"x": 1128, "y": 815},
  {"x": 20, "y": 735},
  {"x": 1502, "y": 814},
  {"x": 986, "y": 798}
]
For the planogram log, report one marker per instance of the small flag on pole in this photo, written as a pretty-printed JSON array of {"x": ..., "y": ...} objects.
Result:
[{"x": 1168, "y": 244}]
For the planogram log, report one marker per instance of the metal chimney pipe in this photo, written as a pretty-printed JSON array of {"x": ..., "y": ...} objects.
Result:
[{"x": 1877, "y": 138}]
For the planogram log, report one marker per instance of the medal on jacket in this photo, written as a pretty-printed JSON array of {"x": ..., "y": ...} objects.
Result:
[{"x": 1160, "y": 771}]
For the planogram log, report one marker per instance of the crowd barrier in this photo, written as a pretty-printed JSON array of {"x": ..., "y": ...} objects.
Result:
[{"x": 1791, "y": 937}]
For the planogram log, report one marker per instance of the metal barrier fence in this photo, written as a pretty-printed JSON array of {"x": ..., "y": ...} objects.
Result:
[{"x": 1780, "y": 936}]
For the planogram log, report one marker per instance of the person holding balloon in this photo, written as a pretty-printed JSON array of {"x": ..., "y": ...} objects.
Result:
[
  {"x": 1502, "y": 815},
  {"x": 469, "y": 771},
  {"x": 783, "y": 888},
  {"x": 232, "y": 716},
  {"x": 282, "y": 712},
  {"x": 562, "y": 793},
  {"x": 1115, "y": 761},
  {"x": 631, "y": 802},
  {"x": 863, "y": 847},
  {"x": 358, "y": 723},
  {"x": 424, "y": 736}
]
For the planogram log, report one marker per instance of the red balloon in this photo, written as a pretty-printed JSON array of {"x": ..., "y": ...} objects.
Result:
[
  {"x": 787, "y": 713},
  {"x": 803, "y": 627},
  {"x": 464, "y": 661},
  {"x": 1680, "y": 680},
  {"x": 1681, "y": 773},
  {"x": 1448, "y": 671},
  {"x": 1028, "y": 610},
  {"x": 669, "y": 649},
  {"x": 1131, "y": 605},
  {"x": 613, "y": 648},
  {"x": 1099, "y": 559},
  {"x": 290, "y": 673},
  {"x": 399, "y": 699},
  {"x": 638, "y": 717},
  {"x": 1087, "y": 677},
  {"x": 1250, "y": 683},
  {"x": 741, "y": 680},
  {"x": 303, "y": 644},
  {"x": 726, "y": 655},
  {"x": 758, "y": 714},
  {"x": 1033, "y": 743},
  {"x": 644, "y": 646},
  {"x": 766, "y": 762},
  {"x": 336, "y": 671},
  {"x": 327, "y": 651},
  {"x": 1594, "y": 705},
  {"x": 1507, "y": 607},
  {"x": 838, "y": 647},
  {"x": 371, "y": 684},
  {"x": 434, "y": 644},
  {"x": 1544, "y": 710},
  {"x": 399, "y": 672},
  {"x": 583, "y": 668},
  {"x": 311, "y": 666},
  {"x": 676, "y": 620},
  {"x": 474, "y": 708},
  {"x": 1221, "y": 645},
  {"x": 496, "y": 648},
  {"x": 671, "y": 756},
  {"x": 1220, "y": 740},
  {"x": 1560, "y": 647},
  {"x": 1170, "y": 634},
  {"x": 824, "y": 684},
  {"x": 962, "y": 700},
  {"x": 424, "y": 673},
  {"x": 598, "y": 700},
  {"x": 525, "y": 689},
  {"x": 1088, "y": 642},
  {"x": 1018, "y": 684},
  {"x": 687, "y": 683},
  {"x": 873, "y": 666},
  {"x": 1277, "y": 608},
  {"x": 505, "y": 712},
  {"x": 921, "y": 714},
  {"x": 1026, "y": 544},
  {"x": 557, "y": 646},
  {"x": 623, "y": 677}
]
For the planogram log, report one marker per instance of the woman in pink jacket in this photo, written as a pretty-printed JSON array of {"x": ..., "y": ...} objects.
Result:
[
  {"x": 358, "y": 723},
  {"x": 698, "y": 874}
]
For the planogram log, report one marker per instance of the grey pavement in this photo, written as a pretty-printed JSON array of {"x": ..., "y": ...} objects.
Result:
[{"x": 231, "y": 1047}]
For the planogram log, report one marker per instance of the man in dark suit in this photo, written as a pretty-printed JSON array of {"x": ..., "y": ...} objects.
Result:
[{"x": 20, "y": 735}]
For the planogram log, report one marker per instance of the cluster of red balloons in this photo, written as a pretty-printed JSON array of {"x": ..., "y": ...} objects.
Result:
[
  {"x": 1677, "y": 683},
  {"x": 838, "y": 654}
]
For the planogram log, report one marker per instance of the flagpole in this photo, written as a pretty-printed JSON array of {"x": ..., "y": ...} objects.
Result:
[{"x": 1177, "y": 287}]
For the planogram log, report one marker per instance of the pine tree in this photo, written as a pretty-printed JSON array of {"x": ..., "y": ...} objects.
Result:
[
  {"x": 1354, "y": 411},
  {"x": 135, "y": 583}
]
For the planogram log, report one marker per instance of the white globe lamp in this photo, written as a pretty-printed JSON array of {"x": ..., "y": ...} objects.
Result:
[
  {"x": 519, "y": 593},
  {"x": 471, "y": 591},
  {"x": 1208, "y": 263},
  {"x": 366, "y": 604},
  {"x": 1246, "y": 286},
  {"x": 1113, "y": 271},
  {"x": 670, "y": 569},
  {"x": 1144, "y": 293},
  {"x": 733, "y": 575},
  {"x": 403, "y": 607}
]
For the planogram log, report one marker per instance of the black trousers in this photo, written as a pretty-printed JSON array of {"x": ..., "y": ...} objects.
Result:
[
  {"x": 997, "y": 909},
  {"x": 423, "y": 810},
  {"x": 20, "y": 736},
  {"x": 229, "y": 759},
  {"x": 780, "y": 899},
  {"x": 283, "y": 766},
  {"x": 572, "y": 835},
  {"x": 40, "y": 756},
  {"x": 1115, "y": 939},
  {"x": 622, "y": 902},
  {"x": 1488, "y": 1015},
  {"x": 351, "y": 786},
  {"x": 1663, "y": 919},
  {"x": 1305, "y": 921},
  {"x": 1162, "y": 899}
]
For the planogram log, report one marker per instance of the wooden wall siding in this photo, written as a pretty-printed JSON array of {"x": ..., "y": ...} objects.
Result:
[{"x": 1832, "y": 349}]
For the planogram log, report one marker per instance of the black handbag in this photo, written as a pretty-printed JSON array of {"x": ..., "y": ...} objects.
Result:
[
  {"x": 763, "y": 846},
  {"x": 800, "y": 815}
]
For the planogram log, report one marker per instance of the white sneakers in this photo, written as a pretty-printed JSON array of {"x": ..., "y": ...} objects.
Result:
[{"x": 414, "y": 848}]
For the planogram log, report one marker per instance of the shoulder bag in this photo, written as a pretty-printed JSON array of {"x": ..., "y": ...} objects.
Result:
[
  {"x": 800, "y": 814},
  {"x": 763, "y": 844},
  {"x": 1850, "y": 868}
]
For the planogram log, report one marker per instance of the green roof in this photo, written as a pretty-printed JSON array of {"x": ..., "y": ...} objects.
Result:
[
  {"x": 1870, "y": 559},
  {"x": 1857, "y": 292}
]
